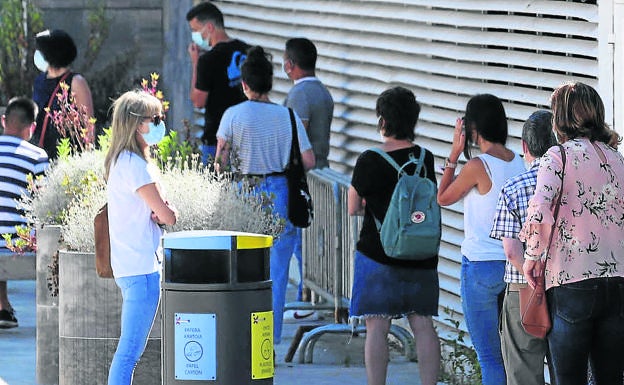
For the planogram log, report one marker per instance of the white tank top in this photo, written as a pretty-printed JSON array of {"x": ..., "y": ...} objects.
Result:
[{"x": 479, "y": 210}]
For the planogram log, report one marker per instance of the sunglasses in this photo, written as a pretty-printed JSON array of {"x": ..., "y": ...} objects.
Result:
[{"x": 156, "y": 119}]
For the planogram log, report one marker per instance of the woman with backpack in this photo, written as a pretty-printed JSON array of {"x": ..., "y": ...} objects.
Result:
[
  {"x": 385, "y": 288},
  {"x": 483, "y": 259}
]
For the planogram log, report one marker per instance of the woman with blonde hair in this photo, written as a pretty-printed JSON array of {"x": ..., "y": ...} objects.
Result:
[
  {"x": 584, "y": 260},
  {"x": 136, "y": 208}
]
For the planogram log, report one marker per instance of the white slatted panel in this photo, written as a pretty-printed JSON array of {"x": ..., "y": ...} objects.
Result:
[{"x": 443, "y": 50}]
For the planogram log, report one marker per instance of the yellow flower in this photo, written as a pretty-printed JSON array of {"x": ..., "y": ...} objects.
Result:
[
  {"x": 144, "y": 83},
  {"x": 154, "y": 76},
  {"x": 159, "y": 95}
]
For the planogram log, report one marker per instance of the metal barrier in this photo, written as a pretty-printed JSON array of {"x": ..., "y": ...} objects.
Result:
[
  {"x": 326, "y": 246},
  {"x": 328, "y": 249}
]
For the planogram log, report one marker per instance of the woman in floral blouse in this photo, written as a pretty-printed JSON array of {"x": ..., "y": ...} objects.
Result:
[{"x": 585, "y": 262}]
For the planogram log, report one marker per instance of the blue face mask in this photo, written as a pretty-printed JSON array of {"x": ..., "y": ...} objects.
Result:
[
  {"x": 197, "y": 38},
  {"x": 155, "y": 134}
]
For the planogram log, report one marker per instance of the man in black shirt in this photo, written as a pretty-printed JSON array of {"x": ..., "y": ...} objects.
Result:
[{"x": 215, "y": 60}]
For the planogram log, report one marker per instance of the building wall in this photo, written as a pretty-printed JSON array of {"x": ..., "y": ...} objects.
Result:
[{"x": 445, "y": 51}]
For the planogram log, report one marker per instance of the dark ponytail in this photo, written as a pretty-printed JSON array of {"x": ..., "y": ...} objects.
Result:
[{"x": 257, "y": 70}]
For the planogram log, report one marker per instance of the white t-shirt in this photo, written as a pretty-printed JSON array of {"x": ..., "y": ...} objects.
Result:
[
  {"x": 261, "y": 136},
  {"x": 134, "y": 236}
]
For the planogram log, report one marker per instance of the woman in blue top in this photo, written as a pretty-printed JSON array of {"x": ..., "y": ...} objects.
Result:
[
  {"x": 55, "y": 53},
  {"x": 478, "y": 184}
]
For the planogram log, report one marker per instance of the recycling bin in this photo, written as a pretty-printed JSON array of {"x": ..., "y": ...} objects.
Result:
[{"x": 217, "y": 317}]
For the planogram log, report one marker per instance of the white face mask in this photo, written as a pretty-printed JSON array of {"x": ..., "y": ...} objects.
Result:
[
  {"x": 40, "y": 61},
  {"x": 155, "y": 134},
  {"x": 197, "y": 38}
]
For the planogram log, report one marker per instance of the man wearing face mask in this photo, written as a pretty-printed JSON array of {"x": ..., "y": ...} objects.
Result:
[
  {"x": 215, "y": 60},
  {"x": 313, "y": 103},
  {"x": 309, "y": 97}
]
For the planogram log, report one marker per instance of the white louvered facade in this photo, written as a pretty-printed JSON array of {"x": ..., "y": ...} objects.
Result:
[{"x": 445, "y": 51}]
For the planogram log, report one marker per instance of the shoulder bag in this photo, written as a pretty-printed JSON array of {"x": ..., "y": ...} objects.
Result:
[
  {"x": 300, "y": 210},
  {"x": 102, "y": 243},
  {"x": 534, "y": 313}
]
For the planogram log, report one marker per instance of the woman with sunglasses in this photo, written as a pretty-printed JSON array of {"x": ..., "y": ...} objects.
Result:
[
  {"x": 255, "y": 138},
  {"x": 136, "y": 208}
]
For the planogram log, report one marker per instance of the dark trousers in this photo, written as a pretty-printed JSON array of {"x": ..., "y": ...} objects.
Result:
[{"x": 588, "y": 323}]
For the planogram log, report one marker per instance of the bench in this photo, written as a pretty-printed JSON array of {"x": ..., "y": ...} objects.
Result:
[{"x": 15, "y": 266}]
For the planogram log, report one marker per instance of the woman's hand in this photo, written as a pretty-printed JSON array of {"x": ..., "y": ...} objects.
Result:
[
  {"x": 532, "y": 271},
  {"x": 162, "y": 212},
  {"x": 160, "y": 222},
  {"x": 459, "y": 140}
]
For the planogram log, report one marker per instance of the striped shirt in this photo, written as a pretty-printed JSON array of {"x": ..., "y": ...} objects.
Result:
[
  {"x": 18, "y": 159},
  {"x": 261, "y": 137},
  {"x": 511, "y": 212}
]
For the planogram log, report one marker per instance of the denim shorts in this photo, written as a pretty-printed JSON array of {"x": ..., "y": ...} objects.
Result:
[{"x": 392, "y": 291}]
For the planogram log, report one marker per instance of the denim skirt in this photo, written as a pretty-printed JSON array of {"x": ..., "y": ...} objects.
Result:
[{"x": 388, "y": 291}]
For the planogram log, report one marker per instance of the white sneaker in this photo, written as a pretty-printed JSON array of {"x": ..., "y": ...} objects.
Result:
[{"x": 294, "y": 316}]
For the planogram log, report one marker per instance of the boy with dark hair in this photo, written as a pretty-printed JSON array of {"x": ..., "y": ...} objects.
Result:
[{"x": 18, "y": 160}]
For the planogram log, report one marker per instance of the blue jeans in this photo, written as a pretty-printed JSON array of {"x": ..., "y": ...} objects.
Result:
[
  {"x": 208, "y": 153},
  {"x": 282, "y": 249},
  {"x": 481, "y": 284},
  {"x": 141, "y": 294},
  {"x": 587, "y": 323}
]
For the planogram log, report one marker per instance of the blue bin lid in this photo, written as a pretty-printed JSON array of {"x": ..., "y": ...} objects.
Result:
[{"x": 215, "y": 240}]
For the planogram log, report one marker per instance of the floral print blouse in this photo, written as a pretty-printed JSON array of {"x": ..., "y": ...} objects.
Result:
[{"x": 589, "y": 234}]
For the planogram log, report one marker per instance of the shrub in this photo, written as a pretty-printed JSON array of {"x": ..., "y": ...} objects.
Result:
[
  {"x": 20, "y": 20},
  {"x": 64, "y": 182},
  {"x": 208, "y": 201}
]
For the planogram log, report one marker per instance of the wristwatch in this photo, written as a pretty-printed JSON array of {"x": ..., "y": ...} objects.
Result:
[{"x": 449, "y": 164}]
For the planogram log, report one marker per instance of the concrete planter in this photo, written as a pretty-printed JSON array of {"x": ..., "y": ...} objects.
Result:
[
  {"x": 89, "y": 326},
  {"x": 48, "y": 242}
]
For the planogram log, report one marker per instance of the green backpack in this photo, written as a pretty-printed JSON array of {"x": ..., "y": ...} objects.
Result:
[{"x": 412, "y": 228}]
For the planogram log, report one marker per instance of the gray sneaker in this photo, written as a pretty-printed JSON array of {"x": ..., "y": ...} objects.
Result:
[{"x": 7, "y": 319}]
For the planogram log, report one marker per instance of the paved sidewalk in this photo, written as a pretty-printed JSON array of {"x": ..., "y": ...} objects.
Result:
[{"x": 337, "y": 359}]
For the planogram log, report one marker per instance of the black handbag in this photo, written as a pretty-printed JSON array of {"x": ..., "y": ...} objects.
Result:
[{"x": 300, "y": 210}]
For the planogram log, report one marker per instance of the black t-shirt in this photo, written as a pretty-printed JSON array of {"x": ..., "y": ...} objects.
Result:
[
  {"x": 43, "y": 89},
  {"x": 218, "y": 73},
  {"x": 374, "y": 179}
]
